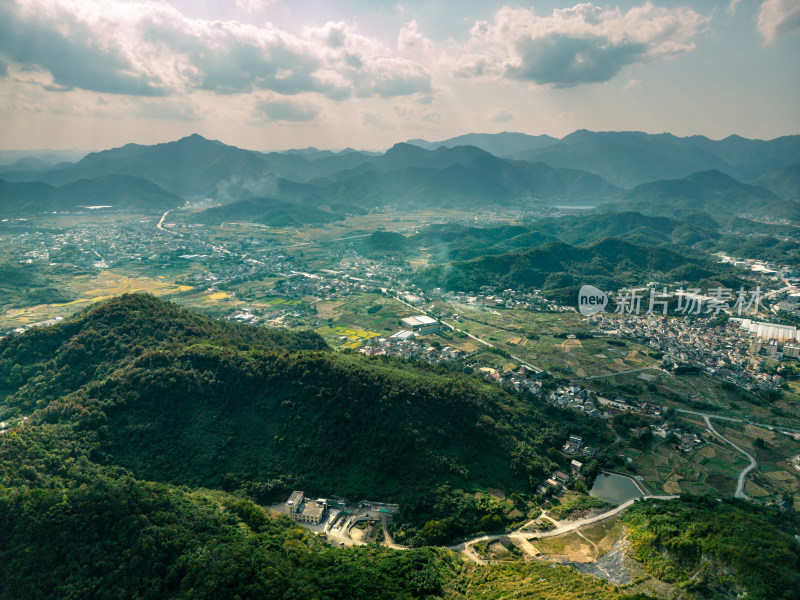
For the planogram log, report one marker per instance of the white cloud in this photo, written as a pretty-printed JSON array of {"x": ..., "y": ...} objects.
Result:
[
  {"x": 151, "y": 49},
  {"x": 500, "y": 115},
  {"x": 410, "y": 40},
  {"x": 777, "y": 18},
  {"x": 254, "y": 5},
  {"x": 582, "y": 44}
]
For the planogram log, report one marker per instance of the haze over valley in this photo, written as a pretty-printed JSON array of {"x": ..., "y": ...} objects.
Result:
[{"x": 399, "y": 300}]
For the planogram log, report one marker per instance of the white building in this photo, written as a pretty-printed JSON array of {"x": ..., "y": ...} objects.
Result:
[{"x": 421, "y": 324}]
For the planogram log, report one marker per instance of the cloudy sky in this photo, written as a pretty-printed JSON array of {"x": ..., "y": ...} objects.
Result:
[{"x": 275, "y": 74}]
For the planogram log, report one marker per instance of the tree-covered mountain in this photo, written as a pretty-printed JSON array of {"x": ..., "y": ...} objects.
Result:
[
  {"x": 180, "y": 398},
  {"x": 559, "y": 269},
  {"x": 120, "y": 192},
  {"x": 584, "y": 167},
  {"x": 460, "y": 242},
  {"x": 716, "y": 549},
  {"x": 22, "y": 286},
  {"x": 134, "y": 404},
  {"x": 626, "y": 158},
  {"x": 710, "y": 191},
  {"x": 196, "y": 166},
  {"x": 266, "y": 211},
  {"x": 458, "y": 177},
  {"x": 630, "y": 158},
  {"x": 190, "y": 166},
  {"x": 785, "y": 182}
]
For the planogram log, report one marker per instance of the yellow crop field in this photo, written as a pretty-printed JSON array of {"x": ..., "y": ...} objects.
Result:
[
  {"x": 217, "y": 296},
  {"x": 90, "y": 289},
  {"x": 353, "y": 335}
]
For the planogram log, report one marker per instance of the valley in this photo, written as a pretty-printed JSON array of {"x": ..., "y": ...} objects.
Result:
[{"x": 433, "y": 357}]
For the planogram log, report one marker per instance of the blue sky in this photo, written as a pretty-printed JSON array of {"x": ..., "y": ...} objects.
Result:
[{"x": 274, "y": 74}]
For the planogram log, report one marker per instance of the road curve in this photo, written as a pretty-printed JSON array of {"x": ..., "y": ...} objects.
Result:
[
  {"x": 558, "y": 530},
  {"x": 743, "y": 475}
]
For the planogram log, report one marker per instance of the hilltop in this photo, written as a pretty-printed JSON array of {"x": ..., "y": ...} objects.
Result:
[{"x": 186, "y": 399}]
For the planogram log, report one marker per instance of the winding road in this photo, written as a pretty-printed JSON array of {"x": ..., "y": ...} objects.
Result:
[
  {"x": 743, "y": 475},
  {"x": 753, "y": 462},
  {"x": 566, "y": 528}
]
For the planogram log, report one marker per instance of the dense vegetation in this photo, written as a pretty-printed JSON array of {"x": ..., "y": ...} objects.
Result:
[
  {"x": 707, "y": 547},
  {"x": 23, "y": 285},
  {"x": 559, "y": 269},
  {"x": 181, "y": 398},
  {"x": 137, "y": 389},
  {"x": 72, "y": 529}
]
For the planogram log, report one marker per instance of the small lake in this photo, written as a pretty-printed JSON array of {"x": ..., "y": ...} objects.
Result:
[{"x": 614, "y": 488}]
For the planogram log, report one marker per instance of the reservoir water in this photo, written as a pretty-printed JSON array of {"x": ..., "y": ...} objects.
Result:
[{"x": 614, "y": 488}]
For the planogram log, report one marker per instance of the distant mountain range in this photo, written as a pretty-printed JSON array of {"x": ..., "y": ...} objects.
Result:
[
  {"x": 655, "y": 174},
  {"x": 630, "y": 158}
]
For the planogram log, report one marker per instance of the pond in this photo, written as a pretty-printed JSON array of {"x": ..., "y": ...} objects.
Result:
[{"x": 614, "y": 488}]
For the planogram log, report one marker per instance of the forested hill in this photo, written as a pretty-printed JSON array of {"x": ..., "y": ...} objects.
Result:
[
  {"x": 177, "y": 397},
  {"x": 559, "y": 269},
  {"x": 138, "y": 389},
  {"x": 46, "y": 363}
]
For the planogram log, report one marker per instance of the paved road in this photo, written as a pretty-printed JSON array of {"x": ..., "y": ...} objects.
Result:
[
  {"x": 615, "y": 374},
  {"x": 527, "y": 364},
  {"x": 568, "y": 527},
  {"x": 735, "y": 420},
  {"x": 753, "y": 463},
  {"x": 743, "y": 475},
  {"x": 160, "y": 224}
]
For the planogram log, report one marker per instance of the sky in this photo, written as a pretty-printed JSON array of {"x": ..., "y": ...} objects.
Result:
[{"x": 278, "y": 74}]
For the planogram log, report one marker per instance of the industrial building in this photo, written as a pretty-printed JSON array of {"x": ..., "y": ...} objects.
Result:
[
  {"x": 421, "y": 324},
  {"x": 304, "y": 510}
]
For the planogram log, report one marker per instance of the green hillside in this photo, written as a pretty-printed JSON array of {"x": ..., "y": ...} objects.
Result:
[
  {"x": 266, "y": 211},
  {"x": 710, "y": 191},
  {"x": 72, "y": 529},
  {"x": 177, "y": 397},
  {"x": 461, "y": 242},
  {"x": 150, "y": 430},
  {"x": 21, "y": 285},
  {"x": 560, "y": 269},
  {"x": 718, "y": 549}
]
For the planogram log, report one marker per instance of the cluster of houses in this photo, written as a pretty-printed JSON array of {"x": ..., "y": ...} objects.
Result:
[
  {"x": 559, "y": 479},
  {"x": 581, "y": 399},
  {"x": 721, "y": 351},
  {"x": 574, "y": 445},
  {"x": 687, "y": 441},
  {"x": 775, "y": 348},
  {"x": 407, "y": 347},
  {"x": 508, "y": 298},
  {"x": 575, "y": 398},
  {"x": 761, "y": 267}
]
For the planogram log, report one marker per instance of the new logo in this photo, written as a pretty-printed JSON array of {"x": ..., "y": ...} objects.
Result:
[{"x": 591, "y": 300}]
